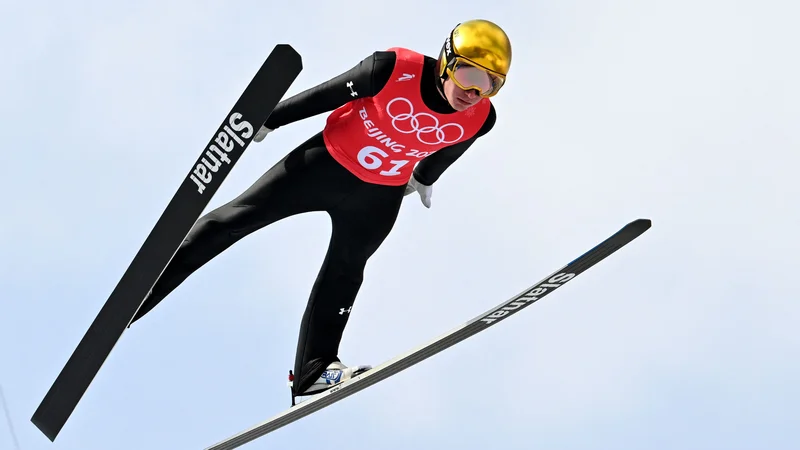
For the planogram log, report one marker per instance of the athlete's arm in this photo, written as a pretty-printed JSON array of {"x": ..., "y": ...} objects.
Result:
[
  {"x": 368, "y": 77},
  {"x": 431, "y": 168}
]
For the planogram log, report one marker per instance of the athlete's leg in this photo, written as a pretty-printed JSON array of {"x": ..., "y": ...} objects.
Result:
[
  {"x": 360, "y": 225},
  {"x": 307, "y": 179}
]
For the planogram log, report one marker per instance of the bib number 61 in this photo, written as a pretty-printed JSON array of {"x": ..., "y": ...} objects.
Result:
[{"x": 373, "y": 158}]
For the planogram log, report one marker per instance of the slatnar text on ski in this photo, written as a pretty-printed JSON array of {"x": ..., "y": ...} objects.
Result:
[
  {"x": 528, "y": 297},
  {"x": 217, "y": 152}
]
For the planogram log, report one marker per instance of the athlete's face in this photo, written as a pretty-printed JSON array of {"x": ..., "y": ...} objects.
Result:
[{"x": 458, "y": 98}]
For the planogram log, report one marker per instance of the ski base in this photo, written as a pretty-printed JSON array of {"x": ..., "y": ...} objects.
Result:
[{"x": 480, "y": 323}]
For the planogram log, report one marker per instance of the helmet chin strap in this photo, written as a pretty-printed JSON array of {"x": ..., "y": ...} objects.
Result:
[
  {"x": 440, "y": 83},
  {"x": 440, "y": 88}
]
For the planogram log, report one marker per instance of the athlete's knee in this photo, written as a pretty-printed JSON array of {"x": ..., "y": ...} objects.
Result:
[
  {"x": 221, "y": 222},
  {"x": 209, "y": 223},
  {"x": 347, "y": 272},
  {"x": 348, "y": 267}
]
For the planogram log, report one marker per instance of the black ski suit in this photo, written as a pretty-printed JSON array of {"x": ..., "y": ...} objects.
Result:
[{"x": 309, "y": 179}]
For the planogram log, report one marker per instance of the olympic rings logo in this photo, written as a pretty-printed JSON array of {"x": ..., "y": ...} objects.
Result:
[{"x": 431, "y": 130}]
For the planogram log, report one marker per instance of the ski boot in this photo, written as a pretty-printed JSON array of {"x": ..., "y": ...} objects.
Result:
[{"x": 334, "y": 374}]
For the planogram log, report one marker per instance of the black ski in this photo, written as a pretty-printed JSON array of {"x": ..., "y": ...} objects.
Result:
[
  {"x": 228, "y": 143},
  {"x": 480, "y": 323}
]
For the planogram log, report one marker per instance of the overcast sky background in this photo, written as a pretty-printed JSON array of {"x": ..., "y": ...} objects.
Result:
[{"x": 684, "y": 112}]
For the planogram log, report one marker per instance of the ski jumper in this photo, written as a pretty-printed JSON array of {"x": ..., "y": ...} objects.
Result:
[{"x": 361, "y": 190}]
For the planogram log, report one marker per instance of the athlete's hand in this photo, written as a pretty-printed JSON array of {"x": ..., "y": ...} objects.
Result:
[
  {"x": 424, "y": 191},
  {"x": 261, "y": 134}
]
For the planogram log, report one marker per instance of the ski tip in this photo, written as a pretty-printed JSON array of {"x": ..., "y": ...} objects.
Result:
[
  {"x": 289, "y": 56},
  {"x": 637, "y": 227}
]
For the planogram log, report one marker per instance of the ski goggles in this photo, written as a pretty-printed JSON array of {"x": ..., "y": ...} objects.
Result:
[{"x": 467, "y": 75}]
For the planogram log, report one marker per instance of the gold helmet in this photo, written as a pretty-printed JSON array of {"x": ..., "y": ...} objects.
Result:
[{"x": 476, "y": 55}]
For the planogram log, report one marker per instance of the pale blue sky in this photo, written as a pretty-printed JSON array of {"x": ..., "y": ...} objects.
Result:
[{"x": 684, "y": 112}]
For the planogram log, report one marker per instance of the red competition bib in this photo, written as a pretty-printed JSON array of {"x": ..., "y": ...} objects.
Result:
[{"x": 380, "y": 139}]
